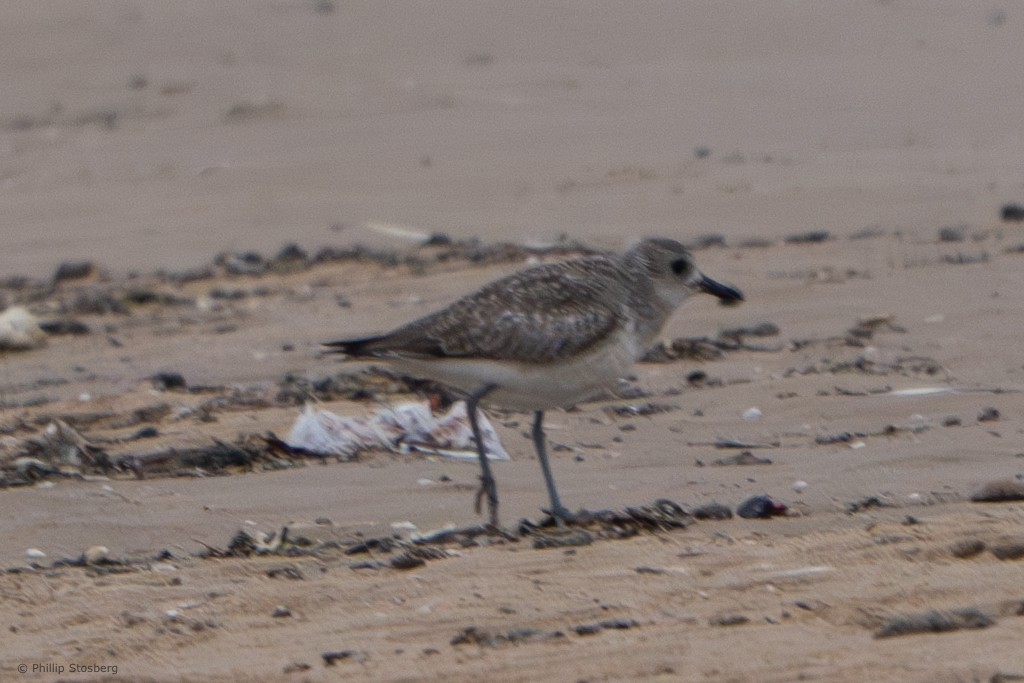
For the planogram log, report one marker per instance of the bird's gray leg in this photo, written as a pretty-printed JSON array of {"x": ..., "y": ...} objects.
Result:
[
  {"x": 488, "y": 486},
  {"x": 558, "y": 511}
]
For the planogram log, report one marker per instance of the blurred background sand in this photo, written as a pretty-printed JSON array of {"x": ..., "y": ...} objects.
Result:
[{"x": 148, "y": 135}]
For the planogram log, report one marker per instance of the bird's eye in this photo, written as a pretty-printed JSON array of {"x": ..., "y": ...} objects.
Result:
[{"x": 680, "y": 266}]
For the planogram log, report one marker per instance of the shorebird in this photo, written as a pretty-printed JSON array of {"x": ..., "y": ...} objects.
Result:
[{"x": 546, "y": 337}]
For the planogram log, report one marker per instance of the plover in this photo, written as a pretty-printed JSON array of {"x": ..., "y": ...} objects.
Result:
[{"x": 546, "y": 337}]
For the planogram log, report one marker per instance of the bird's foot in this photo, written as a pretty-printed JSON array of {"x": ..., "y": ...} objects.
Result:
[{"x": 561, "y": 516}]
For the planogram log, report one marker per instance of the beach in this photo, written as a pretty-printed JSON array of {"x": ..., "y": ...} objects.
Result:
[{"x": 196, "y": 197}]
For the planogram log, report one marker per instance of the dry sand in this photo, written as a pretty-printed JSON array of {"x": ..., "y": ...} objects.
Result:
[{"x": 148, "y": 136}]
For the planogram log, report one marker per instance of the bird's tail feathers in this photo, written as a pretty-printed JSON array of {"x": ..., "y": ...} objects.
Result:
[{"x": 352, "y": 347}]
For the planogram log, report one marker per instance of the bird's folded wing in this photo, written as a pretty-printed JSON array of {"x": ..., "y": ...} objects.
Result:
[{"x": 541, "y": 315}]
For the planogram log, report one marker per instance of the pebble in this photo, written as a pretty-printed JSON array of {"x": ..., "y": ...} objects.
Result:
[
  {"x": 999, "y": 491},
  {"x": 73, "y": 270},
  {"x": 1008, "y": 551},
  {"x": 712, "y": 511},
  {"x": 331, "y": 658},
  {"x": 164, "y": 381},
  {"x": 287, "y": 572},
  {"x": 953, "y": 233},
  {"x": 34, "y": 554},
  {"x": 813, "y": 237},
  {"x": 866, "y": 503},
  {"x": 935, "y": 621},
  {"x": 988, "y": 414},
  {"x": 65, "y": 326},
  {"x": 96, "y": 554},
  {"x": 1012, "y": 212},
  {"x": 968, "y": 547},
  {"x": 828, "y": 439},
  {"x": 752, "y": 414},
  {"x": 650, "y": 570}
]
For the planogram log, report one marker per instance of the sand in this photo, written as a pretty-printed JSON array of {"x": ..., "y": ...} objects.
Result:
[{"x": 146, "y": 138}]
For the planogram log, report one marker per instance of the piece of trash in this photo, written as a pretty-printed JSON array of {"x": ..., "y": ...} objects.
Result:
[
  {"x": 760, "y": 507},
  {"x": 409, "y": 426},
  {"x": 60, "y": 444},
  {"x": 923, "y": 391}
]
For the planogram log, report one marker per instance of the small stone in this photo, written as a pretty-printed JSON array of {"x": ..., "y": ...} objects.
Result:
[
  {"x": 952, "y": 233},
  {"x": 729, "y": 620},
  {"x": 999, "y": 491},
  {"x": 64, "y": 327},
  {"x": 407, "y": 561},
  {"x": 828, "y": 439},
  {"x": 988, "y": 414},
  {"x": 281, "y": 612},
  {"x": 935, "y": 621},
  {"x": 813, "y": 237},
  {"x": 331, "y": 658},
  {"x": 97, "y": 554},
  {"x": 619, "y": 624},
  {"x": 288, "y": 572},
  {"x": 1009, "y": 551},
  {"x": 968, "y": 547},
  {"x": 165, "y": 381},
  {"x": 866, "y": 503},
  {"x": 712, "y": 511},
  {"x": 1012, "y": 212},
  {"x": 73, "y": 270},
  {"x": 650, "y": 570}
]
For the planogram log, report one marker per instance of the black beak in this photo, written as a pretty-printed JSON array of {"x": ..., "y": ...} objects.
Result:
[{"x": 727, "y": 294}]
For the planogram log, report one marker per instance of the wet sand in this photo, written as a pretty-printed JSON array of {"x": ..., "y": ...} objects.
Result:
[{"x": 889, "y": 386}]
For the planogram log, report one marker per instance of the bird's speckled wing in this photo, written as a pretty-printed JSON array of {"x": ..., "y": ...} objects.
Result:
[{"x": 539, "y": 315}]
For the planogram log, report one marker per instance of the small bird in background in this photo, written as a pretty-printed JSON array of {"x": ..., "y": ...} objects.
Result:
[{"x": 546, "y": 337}]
